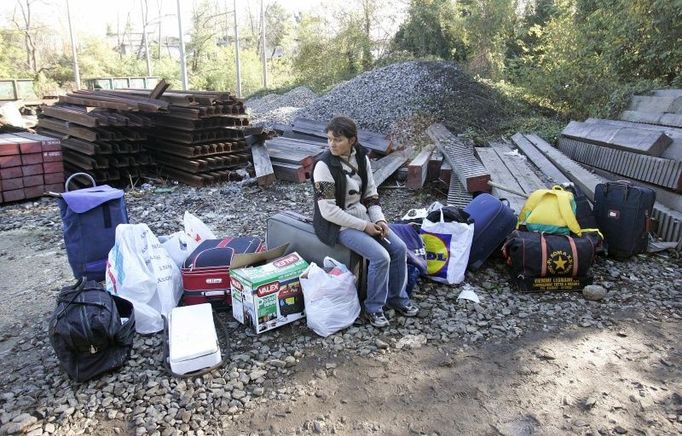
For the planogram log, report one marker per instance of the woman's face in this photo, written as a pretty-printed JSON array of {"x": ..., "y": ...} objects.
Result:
[{"x": 339, "y": 145}]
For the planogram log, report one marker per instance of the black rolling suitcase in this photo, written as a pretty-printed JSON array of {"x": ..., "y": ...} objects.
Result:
[
  {"x": 292, "y": 228},
  {"x": 623, "y": 213}
]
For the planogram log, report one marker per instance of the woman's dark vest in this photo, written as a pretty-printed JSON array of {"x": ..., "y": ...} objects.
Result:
[{"x": 326, "y": 231}]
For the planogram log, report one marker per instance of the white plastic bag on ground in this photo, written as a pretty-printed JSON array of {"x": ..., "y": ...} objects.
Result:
[
  {"x": 331, "y": 300},
  {"x": 196, "y": 231},
  {"x": 177, "y": 247},
  {"x": 141, "y": 271},
  {"x": 447, "y": 246}
]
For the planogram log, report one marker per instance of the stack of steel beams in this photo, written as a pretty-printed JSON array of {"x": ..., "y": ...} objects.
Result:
[
  {"x": 201, "y": 138},
  {"x": 101, "y": 134}
]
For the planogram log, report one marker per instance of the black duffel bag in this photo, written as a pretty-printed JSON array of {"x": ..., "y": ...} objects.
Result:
[
  {"x": 544, "y": 262},
  {"x": 91, "y": 330}
]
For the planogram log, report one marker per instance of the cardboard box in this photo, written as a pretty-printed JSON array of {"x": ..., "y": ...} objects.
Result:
[{"x": 266, "y": 296}]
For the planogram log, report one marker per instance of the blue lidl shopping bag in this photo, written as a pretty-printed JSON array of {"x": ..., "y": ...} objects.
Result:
[{"x": 416, "y": 255}]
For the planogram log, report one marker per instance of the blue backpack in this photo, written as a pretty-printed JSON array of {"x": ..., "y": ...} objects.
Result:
[{"x": 90, "y": 217}]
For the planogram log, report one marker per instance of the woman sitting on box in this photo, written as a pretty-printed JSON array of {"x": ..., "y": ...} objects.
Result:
[{"x": 347, "y": 211}]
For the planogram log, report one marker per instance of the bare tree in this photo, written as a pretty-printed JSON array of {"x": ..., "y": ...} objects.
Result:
[{"x": 25, "y": 26}]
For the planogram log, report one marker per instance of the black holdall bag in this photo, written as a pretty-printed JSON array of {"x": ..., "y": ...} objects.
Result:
[
  {"x": 623, "y": 212},
  {"x": 544, "y": 262},
  {"x": 91, "y": 331}
]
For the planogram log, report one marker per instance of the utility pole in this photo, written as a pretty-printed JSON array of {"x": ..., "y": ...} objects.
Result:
[
  {"x": 262, "y": 41},
  {"x": 236, "y": 49},
  {"x": 74, "y": 52},
  {"x": 145, "y": 13},
  {"x": 183, "y": 63}
]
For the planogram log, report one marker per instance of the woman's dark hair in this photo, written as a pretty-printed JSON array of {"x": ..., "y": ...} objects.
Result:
[{"x": 342, "y": 126}]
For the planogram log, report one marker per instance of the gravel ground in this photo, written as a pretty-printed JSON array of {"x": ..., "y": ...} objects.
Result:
[
  {"x": 263, "y": 371},
  {"x": 605, "y": 363}
]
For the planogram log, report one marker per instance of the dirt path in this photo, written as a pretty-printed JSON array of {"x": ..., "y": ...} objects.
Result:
[{"x": 579, "y": 381}]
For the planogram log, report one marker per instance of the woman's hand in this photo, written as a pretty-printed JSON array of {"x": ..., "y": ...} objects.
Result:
[
  {"x": 384, "y": 228},
  {"x": 373, "y": 229}
]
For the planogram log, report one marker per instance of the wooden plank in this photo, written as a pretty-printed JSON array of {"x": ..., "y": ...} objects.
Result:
[
  {"x": 539, "y": 160},
  {"x": 433, "y": 168},
  {"x": 519, "y": 169},
  {"x": 500, "y": 174},
  {"x": 312, "y": 147},
  {"x": 261, "y": 162},
  {"x": 471, "y": 173},
  {"x": 387, "y": 165},
  {"x": 291, "y": 172},
  {"x": 371, "y": 140},
  {"x": 651, "y": 143},
  {"x": 418, "y": 168},
  {"x": 290, "y": 157},
  {"x": 582, "y": 178}
]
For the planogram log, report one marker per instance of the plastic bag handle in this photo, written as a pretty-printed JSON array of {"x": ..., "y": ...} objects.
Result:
[{"x": 66, "y": 184}]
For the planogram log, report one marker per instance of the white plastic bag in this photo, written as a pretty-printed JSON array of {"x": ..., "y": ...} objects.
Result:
[
  {"x": 177, "y": 247},
  {"x": 141, "y": 271},
  {"x": 447, "y": 246},
  {"x": 196, "y": 231},
  {"x": 331, "y": 301}
]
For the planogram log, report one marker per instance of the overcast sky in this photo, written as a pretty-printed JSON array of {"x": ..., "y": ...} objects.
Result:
[{"x": 92, "y": 16}]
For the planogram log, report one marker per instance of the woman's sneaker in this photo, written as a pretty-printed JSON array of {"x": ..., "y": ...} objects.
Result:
[
  {"x": 377, "y": 319},
  {"x": 408, "y": 309}
]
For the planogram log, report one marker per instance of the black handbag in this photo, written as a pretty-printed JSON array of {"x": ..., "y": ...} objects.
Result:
[
  {"x": 91, "y": 331},
  {"x": 545, "y": 262}
]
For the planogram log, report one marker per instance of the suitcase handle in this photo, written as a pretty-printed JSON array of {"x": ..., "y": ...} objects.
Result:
[{"x": 72, "y": 176}]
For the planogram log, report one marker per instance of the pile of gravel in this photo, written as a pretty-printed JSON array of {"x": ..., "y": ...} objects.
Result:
[
  {"x": 380, "y": 98},
  {"x": 275, "y": 108},
  {"x": 142, "y": 398}
]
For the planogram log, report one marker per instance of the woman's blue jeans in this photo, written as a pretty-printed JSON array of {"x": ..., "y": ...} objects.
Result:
[{"x": 387, "y": 270}]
